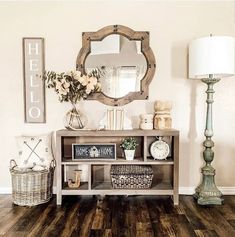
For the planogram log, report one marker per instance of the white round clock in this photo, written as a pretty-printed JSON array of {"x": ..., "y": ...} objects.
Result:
[{"x": 159, "y": 149}]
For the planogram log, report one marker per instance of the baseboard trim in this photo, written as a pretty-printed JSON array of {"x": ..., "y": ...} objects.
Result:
[
  {"x": 5, "y": 190},
  {"x": 8, "y": 190},
  {"x": 191, "y": 190},
  {"x": 227, "y": 190},
  {"x": 182, "y": 190},
  {"x": 188, "y": 190}
]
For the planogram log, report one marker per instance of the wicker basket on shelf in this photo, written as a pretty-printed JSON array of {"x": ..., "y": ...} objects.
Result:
[
  {"x": 30, "y": 188},
  {"x": 131, "y": 176}
]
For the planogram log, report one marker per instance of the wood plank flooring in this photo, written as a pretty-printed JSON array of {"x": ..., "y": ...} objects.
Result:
[{"x": 117, "y": 216}]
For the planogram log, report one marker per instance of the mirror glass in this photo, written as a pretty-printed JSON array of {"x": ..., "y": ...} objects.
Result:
[{"x": 120, "y": 64}]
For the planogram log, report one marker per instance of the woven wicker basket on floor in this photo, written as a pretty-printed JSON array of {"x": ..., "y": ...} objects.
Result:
[{"x": 30, "y": 188}]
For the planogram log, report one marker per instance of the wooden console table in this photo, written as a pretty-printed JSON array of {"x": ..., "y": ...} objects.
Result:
[{"x": 96, "y": 173}]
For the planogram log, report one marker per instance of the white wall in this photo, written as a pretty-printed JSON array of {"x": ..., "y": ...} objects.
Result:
[{"x": 172, "y": 25}]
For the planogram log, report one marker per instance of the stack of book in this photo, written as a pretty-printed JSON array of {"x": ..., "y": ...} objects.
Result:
[{"x": 115, "y": 119}]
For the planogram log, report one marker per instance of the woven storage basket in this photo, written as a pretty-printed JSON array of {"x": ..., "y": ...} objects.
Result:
[
  {"x": 30, "y": 188},
  {"x": 131, "y": 176}
]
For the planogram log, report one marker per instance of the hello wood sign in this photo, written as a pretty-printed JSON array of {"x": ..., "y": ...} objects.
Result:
[{"x": 34, "y": 89}]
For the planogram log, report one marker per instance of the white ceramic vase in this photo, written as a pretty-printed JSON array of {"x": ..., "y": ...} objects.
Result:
[{"x": 129, "y": 154}]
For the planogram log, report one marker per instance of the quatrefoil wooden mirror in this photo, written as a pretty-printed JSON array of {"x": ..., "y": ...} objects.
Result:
[{"x": 124, "y": 61}]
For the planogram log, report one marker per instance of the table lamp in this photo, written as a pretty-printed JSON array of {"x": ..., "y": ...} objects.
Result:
[{"x": 210, "y": 59}]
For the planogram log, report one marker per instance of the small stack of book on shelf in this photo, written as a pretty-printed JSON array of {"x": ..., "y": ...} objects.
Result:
[{"x": 115, "y": 119}]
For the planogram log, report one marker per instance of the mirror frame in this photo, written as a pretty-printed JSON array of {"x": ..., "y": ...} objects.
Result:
[{"x": 99, "y": 35}]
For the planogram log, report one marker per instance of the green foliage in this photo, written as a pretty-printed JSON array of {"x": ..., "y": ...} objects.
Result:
[{"x": 129, "y": 143}]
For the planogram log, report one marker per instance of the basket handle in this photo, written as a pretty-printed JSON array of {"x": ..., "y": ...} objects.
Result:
[
  {"x": 12, "y": 164},
  {"x": 53, "y": 164}
]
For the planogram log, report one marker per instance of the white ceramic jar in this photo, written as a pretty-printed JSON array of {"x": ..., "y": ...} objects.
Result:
[{"x": 146, "y": 121}]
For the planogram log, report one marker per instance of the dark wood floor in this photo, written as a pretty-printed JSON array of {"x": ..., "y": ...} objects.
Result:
[{"x": 118, "y": 216}]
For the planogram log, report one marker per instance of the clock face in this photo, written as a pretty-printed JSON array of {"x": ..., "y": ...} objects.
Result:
[{"x": 159, "y": 150}]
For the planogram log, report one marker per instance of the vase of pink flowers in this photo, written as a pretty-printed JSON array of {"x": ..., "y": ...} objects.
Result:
[{"x": 71, "y": 87}]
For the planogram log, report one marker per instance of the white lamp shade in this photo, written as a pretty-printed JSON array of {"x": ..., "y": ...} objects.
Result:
[{"x": 212, "y": 55}]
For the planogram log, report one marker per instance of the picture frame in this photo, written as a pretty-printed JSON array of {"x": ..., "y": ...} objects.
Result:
[
  {"x": 34, "y": 85},
  {"x": 94, "y": 151}
]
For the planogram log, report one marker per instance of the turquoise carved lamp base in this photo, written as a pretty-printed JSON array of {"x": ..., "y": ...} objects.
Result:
[{"x": 207, "y": 193}]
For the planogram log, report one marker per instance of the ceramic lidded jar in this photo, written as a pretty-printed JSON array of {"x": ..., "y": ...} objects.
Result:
[
  {"x": 146, "y": 121},
  {"x": 162, "y": 118},
  {"x": 162, "y": 106}
]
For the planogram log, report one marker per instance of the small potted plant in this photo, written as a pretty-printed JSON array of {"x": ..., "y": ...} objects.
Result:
[{"x": 129, "y": 144}]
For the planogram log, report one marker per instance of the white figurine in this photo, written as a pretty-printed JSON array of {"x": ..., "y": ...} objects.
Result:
[{"x": 146, "y": 122}]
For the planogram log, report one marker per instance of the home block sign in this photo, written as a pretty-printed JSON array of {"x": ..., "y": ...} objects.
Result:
[
  {"x": 34, "y": 89},
  {"x": 94, "y": 151}
]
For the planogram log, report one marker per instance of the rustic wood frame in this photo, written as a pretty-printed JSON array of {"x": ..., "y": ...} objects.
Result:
[{"x": 99, "y": 35}]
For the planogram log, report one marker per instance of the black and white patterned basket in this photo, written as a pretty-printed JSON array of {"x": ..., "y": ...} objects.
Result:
[{"x": 131, "y": 176}]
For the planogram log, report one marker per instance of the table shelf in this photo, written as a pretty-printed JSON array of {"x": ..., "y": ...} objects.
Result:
[
  {"x": 121, "y": 161},
  {"x": 96, "y": 178}
]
